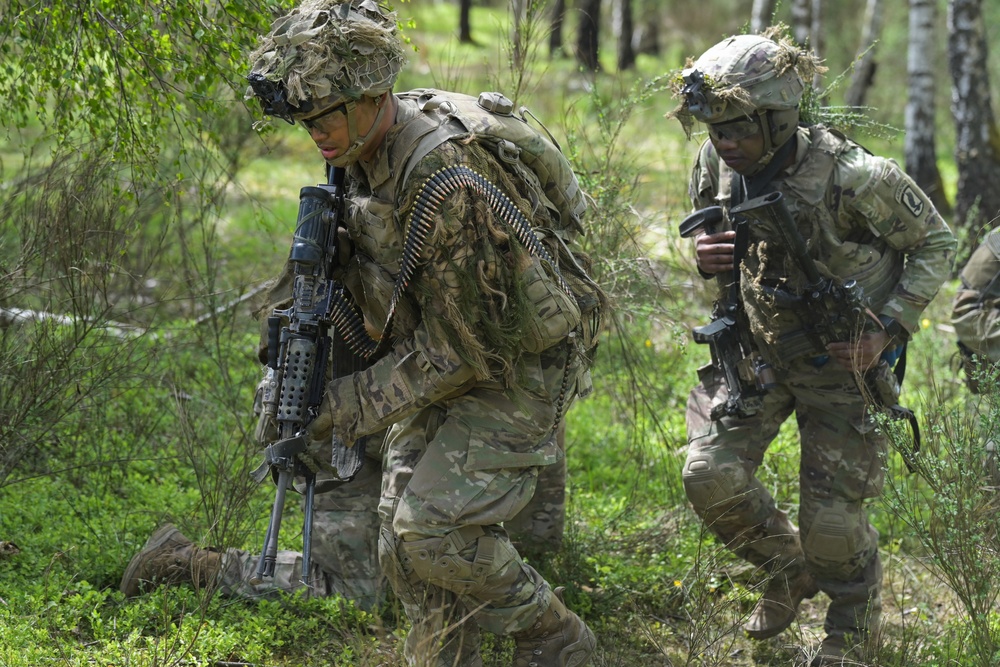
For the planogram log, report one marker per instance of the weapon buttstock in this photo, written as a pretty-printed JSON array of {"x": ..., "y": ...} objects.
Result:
[{"x": 704, "y": 218}]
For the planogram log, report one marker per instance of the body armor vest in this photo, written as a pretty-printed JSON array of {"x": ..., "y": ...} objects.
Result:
[
  {"x": 772, "y": 281},
  {"x": 425, "y": 120}
]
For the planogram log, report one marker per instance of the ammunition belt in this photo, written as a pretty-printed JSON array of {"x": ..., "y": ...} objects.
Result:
[{"x": 433, "y": 193}]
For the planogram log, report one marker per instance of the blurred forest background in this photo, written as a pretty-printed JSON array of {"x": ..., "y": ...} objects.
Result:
[{"x": 144, "y": 205}]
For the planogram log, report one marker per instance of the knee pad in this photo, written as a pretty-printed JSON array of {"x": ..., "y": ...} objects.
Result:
[
  {"x": 837, "y": 541},
  {"x": 713, "y": 486},
  {"x": 461, "y": 562}
]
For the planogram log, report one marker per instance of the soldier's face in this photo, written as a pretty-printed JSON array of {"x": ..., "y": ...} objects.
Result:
[
  {"x": 739, "y": 143},
  {"x": 330, "y": 128}
]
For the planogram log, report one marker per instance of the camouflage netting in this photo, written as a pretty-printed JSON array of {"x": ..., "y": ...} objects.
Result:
[
  {"x": 325, "y": 48},
  {"x": 473, "y": 278},
  {"x": 744, "y": 74}
]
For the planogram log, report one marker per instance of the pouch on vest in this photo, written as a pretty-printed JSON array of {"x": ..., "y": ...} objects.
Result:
[
  {"x": 554, "y": 313},
  {"x": 590, "y": 298}
]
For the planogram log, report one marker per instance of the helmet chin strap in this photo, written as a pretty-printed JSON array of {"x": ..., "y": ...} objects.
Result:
[
  {"x": 350, "y": 156},
  {"x": 769, "y": 149}
]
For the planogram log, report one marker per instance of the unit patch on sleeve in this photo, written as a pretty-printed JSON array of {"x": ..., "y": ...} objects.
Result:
[{"x": 908, "y": 196}]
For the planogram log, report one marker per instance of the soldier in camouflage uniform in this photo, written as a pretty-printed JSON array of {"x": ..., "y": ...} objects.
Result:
[
  {"x": 862, "y": 219},
  {"x": 481, "y": 349},
  {"x": 976, "y": 309},
  {"x": 346, "y": 520},
  {"x": 975, "y": 315}
]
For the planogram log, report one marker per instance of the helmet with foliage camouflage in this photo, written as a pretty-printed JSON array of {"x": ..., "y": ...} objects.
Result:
[
  {"x": 747, "y": 76},
  {"x": 325, "y": 50}
]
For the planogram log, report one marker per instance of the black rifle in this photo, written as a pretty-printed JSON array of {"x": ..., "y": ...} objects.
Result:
[
  {"x": 746, "y": 374},
  {"x": 830, "y": 310},
  {"x": 298, "y": 355}
]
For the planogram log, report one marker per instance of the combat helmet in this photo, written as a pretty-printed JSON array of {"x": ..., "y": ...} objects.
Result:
[
  {"x": 324, "y": 53},
  {"x": 748, "y": 76}
]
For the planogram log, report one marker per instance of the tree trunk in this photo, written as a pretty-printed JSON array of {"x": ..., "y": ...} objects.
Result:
[
  {"x": 865, "y": 64},
  {"x": 555, "y": 34},
  {"x": 626, "y": 32},
  {"x": 761, "y": 14},
  {"x": 801, "y": 13},
  {"x": 647, "y": 38},
  {"x": 464, "y": 26},
  {"x": 587, "y": 42},
  {"x": 977, "y": 200},
  {"x": 817, "y": 38},
  {"x": 919, "y": 146}
]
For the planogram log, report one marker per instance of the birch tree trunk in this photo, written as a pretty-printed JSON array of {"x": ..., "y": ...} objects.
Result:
[
  {"x": 801, "y": 24},
  {"x": 865, "y": 64},
  {"x": 977, "y": 200},
  {"x": 919, "y": 146},
  {"x": 761, "y": 14},
  {"x": 817, "y": 39}
]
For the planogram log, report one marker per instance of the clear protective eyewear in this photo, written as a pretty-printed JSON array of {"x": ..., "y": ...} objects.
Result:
[
  {"x": 734, "y": 130},
  {"x": 314, "y": 122}
]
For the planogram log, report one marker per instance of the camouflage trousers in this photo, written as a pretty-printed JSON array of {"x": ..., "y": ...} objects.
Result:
[
  {"x": 345, "y": 539},
  {"x": 455, "y": 473},
  {"x": 344, "y": 558},
  {"x": 841, "y": 466},
  {"x": 538, "y": 528}
]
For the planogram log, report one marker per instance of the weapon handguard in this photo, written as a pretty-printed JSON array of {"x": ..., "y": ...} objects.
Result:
[{"x": 298, "y": 355}]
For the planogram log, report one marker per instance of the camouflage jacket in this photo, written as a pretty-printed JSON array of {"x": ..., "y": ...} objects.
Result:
[
  {"x": 862, "y": 218},
  {"x": 976, "y": 309},
  {"x": 460, "y": 323}
]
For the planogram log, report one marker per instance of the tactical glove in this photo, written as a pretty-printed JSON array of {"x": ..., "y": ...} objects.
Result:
[{"x": 266, "y": 430}]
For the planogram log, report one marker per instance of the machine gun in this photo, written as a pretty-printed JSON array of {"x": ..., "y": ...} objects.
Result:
[
  {"x": 298, "y": 356},
  {"x": 746, "y": 374}
]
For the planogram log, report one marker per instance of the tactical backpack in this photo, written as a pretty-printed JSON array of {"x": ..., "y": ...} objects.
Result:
[
  {"x": 490, "y": 119},
  {"x": 537, "y": 159}
]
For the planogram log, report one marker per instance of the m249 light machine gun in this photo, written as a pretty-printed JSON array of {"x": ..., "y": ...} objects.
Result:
[{"x": 298, "y": 356}]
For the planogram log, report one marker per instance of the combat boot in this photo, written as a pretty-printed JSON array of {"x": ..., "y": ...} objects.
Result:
[
  {"x": 169, "y": 558},
  {"x": 559, "y": 638},
  {"x": 778, "y": 606},
  {"x": 853, "y": 620},
  {"x": 841, "y": 651}
]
